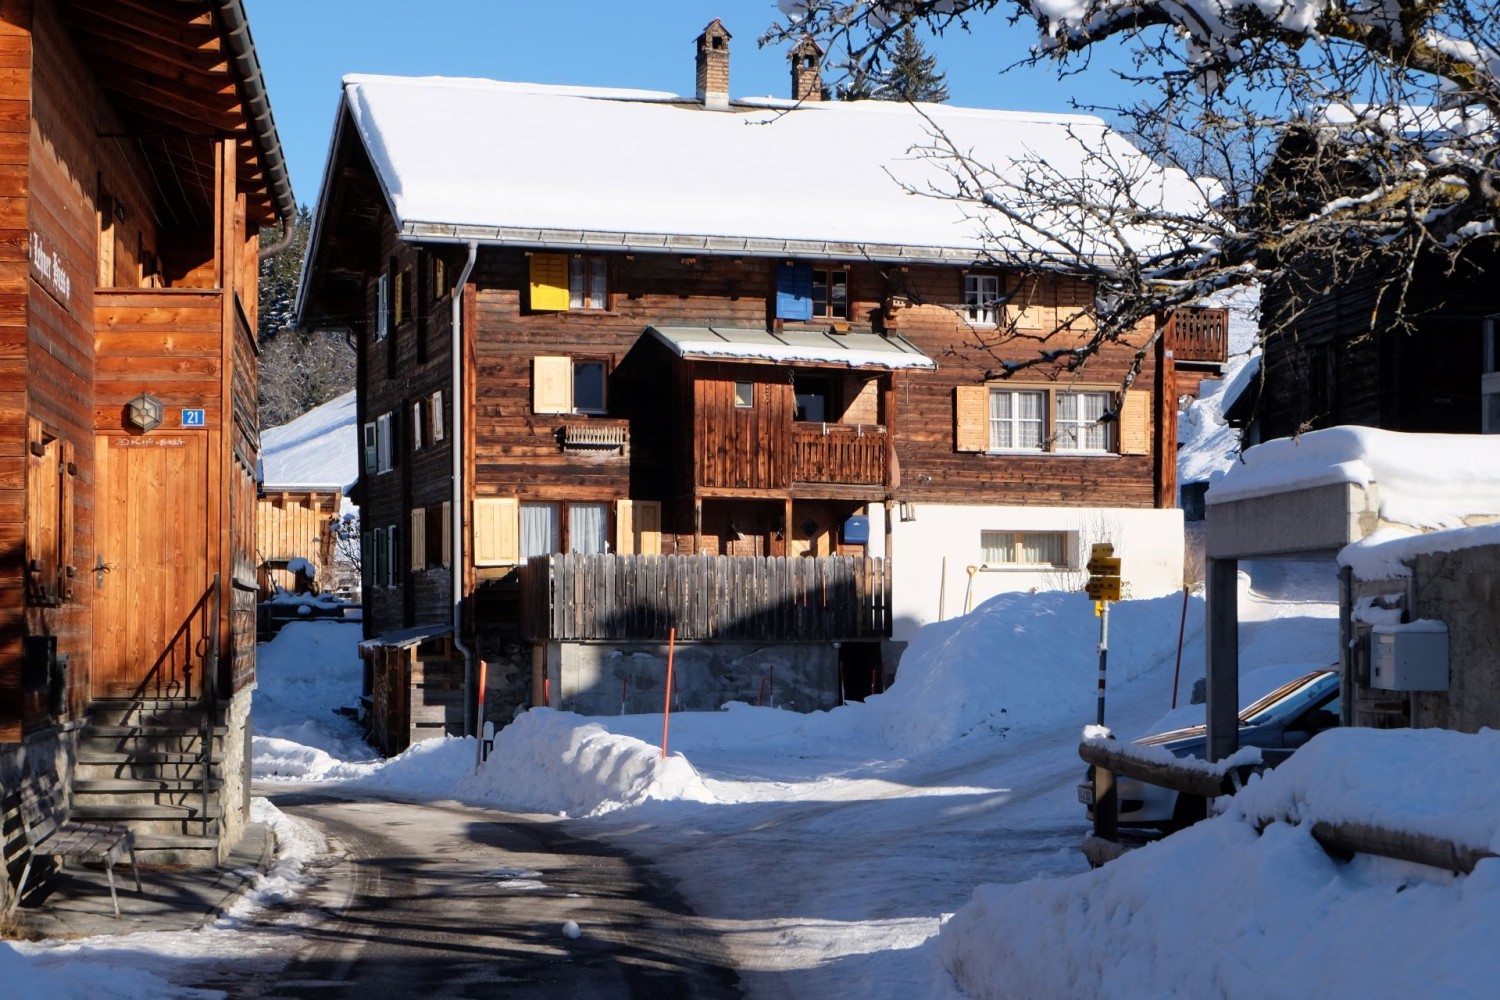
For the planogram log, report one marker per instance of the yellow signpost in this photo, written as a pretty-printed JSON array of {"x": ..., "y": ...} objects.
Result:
[{"x": 1104, "y": 573}]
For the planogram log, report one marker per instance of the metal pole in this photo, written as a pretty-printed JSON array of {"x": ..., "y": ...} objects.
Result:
[{"x": 1103, "y": 657}]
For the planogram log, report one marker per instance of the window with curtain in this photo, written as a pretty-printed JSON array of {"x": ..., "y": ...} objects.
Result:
[
  {"x": 981, "y": 291},
  {"x": 1016, "y": 421},
  {"x": 1078, "y": 421},
  {"x": 588, "y": 283},
  {"x": 588, "y": 527},
  {"x": 539, "y": 529},
  {"x": 1024, "y": 548}
]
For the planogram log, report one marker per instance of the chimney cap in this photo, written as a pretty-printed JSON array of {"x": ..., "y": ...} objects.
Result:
[
  {"x": 803, "y": 44},
  {"x": 711, "y": 26}
]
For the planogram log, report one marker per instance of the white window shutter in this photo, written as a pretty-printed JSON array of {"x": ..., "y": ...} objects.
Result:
[
  {"x": 437, "y": 416},
  {"x": 551, "y": 384}
]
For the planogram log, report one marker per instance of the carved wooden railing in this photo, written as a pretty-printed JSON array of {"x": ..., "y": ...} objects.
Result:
[{"x": 1197, "y": 334}]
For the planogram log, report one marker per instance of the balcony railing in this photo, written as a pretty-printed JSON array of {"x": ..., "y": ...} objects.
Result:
[
  {"x": 641, "y": 598},
  {"x": 1195, "y": 334},
  {"x": 843, "y": 454}
]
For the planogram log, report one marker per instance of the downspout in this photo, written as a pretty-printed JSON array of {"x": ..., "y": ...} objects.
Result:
[{"x": 472, "y": 721}]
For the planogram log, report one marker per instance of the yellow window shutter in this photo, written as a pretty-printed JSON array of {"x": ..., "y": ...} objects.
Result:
[
  {"x": 551, "y": 385},
  {"x": 496, "y": 531},
  {"x": 549, "y": 282},
  {"x": 1135, "y": 423},
  {"x": 971, "y": 418},
  {"x": 418, "y": 539},
  {"x": 624, "y": 528},
  {"x": 648, "y": 527},
  {"x": 447, "y": 533}
]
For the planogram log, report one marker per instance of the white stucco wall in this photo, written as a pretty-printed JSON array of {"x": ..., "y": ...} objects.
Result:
[{"x": 1149, "y": 544}]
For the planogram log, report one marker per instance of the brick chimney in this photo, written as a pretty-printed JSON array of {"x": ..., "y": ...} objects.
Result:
[
  {"x": 807, "y": 76},
  {"x": 713, "y": 65}
]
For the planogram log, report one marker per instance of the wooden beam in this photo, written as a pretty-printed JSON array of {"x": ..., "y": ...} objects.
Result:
[
  {"x": 1178, "y": 777},
  {"x": 1345, "y": 839}
]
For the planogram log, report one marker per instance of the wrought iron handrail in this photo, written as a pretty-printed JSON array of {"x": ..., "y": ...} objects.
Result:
[{"x": 210, "y": 693}]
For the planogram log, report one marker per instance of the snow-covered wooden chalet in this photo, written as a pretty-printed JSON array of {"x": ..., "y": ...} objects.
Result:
[{"x": 604, "y": 334}]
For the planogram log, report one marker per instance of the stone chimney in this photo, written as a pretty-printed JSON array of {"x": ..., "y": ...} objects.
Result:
[
  {"x": 713, "y": 66},
  {"x": 807, "y": 75}
]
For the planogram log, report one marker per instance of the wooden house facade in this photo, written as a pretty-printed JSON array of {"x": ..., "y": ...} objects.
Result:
[
  {"x": 140, "y": 162},
  {"x": 789, "y": 447}
]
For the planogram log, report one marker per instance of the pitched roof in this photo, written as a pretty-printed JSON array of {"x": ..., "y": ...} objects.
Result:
[{"x": 529, "y": 164}]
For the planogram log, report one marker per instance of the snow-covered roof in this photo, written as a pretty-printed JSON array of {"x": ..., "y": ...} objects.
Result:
[
  {"x": 856, "y": 350},
  {"x": 1424, "y": 480},
  {"x": 317, "y": 451},
  {"x": 527, "y": 164}
]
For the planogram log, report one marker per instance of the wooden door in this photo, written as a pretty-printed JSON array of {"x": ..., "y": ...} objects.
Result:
[{"x": 151, "y": 522}]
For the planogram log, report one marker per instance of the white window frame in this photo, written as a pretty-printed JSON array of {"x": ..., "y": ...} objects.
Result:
[
  {"x": 382, "y": 306},
  {"x": 981, "y": 295},
  {"x": 1017, "y": 422},
  {"x": 1014, "y": 540},
  {"x": 416, "y": 425},
  {"x": 1082, "y": 427},
  {"x": 437, "y": 416},
  {"x": 603, "y": 367},
  {"x": 372, "y": 449},
  {"x": 384, "y": 452}
]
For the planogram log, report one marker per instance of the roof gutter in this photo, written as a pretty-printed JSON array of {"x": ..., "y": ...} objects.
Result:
[{"x": 234, "y": 28}]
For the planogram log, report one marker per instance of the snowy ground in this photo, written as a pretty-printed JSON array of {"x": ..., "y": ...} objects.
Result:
[{"x": 928, "y": 839}]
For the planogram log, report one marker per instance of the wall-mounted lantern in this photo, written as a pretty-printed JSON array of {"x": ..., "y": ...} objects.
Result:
[{"x": 144, "y": 411}]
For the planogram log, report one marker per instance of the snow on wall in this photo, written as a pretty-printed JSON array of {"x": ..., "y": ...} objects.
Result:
[{"x": 1424, "y": 480}]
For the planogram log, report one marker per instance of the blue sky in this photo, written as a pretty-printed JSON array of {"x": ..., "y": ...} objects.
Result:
[{"x": 306, "y": 46}]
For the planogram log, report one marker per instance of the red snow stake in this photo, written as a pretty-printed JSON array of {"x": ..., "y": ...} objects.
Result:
[
  {"x": 761, "y": 698},
  {"x": 666, "y": 712}
]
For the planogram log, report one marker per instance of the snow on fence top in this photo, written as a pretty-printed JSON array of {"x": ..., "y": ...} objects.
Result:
[
  {"x": 573, "y": 166},
  {"x": 1424, "y": 480}
]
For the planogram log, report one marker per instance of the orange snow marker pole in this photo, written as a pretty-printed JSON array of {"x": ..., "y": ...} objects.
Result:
[
  {"x": 666, "y": 711},
  {"x": 1181, "y": 628}
]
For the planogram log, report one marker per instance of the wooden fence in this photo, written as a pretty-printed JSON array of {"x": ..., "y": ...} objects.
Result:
[
  {"x": 576, "y": 597},
  {"x": 1198, "y": 334}
]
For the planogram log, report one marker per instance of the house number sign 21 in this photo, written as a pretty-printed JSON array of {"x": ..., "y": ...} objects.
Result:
[{"x": 193, "y": 418}]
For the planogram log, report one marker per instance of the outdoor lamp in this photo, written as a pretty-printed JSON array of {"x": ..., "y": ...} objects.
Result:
[{"x": 144, "y": 411}]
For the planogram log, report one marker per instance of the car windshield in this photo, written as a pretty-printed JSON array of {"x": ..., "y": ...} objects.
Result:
[{"x": 1290, "y": 697}]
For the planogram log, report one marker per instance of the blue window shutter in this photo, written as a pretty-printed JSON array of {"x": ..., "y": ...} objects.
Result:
[{"x": 794, "y": 291}]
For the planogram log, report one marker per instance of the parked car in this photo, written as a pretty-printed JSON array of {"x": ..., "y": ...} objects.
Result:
[{"x": 1283, "y": 720}]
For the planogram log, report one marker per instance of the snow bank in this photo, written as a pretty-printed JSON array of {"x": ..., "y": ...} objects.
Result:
[
  {"x": 1425, "y": 480},
  {"x": 1220, "y": 910},
  {"x": 557, "y": 762},
  {"x": 1387, "y": 554},
  {"x": 1019, "y": 662},
  {"x": 59, "y": 975},
  {"x": 306, "y": 674}
]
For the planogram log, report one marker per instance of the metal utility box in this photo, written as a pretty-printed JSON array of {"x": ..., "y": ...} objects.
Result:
[{"x": 1409, "y": 657}]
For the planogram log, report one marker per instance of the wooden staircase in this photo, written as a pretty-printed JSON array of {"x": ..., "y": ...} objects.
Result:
[{"x": 141, "y": 764}]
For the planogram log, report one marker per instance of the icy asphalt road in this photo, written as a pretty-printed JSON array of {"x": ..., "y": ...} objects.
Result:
[{"x": 439, "y": 901}]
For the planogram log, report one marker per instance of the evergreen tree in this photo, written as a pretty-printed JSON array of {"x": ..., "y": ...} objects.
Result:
[
  {"x": 299, "y": 369},
  {"x": 913, "y": 75}
]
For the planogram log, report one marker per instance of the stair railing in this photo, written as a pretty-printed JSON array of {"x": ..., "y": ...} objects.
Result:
[{"x": 210, "y": 687}]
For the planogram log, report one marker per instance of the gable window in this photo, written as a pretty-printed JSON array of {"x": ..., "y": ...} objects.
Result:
[
  {"x": 981, "y": 295},
  {"x": 830, "y": 293},
  {"x": 1016, "y": 420},
  {"x": 569, "y": 385},
  {"x": 588, "y": 283},
  {"x": 1024, "y": 548},
  {"x": 1080, "y": 421}
]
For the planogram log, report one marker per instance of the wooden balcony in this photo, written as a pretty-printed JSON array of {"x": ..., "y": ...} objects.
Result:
[
  {"x": 641, "y": 598},
  {"x": 839, "y": 454},
  {"x": 1195, "y": 334}
]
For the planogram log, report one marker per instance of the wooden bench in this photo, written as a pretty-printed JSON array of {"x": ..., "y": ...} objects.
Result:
[{"x": 49, "y": 832}]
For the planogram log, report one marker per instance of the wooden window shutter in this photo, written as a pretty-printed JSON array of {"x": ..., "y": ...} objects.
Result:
[
  {"x": 794, "y": 291},
  {"x": 496, "y": 531},
  {"x": 549, "y": 282},
  {"x": 648, "y": 527},
  {"x": 625, "y": 527},
  {"x": 416, "y": 426},
  {"x": 1135, "y": 423},
  {"x": 437, "y": 415},
  {"x": 971, "y": 418},
  {"x": 367, "y": 559},
  {"x": 551, "y": 385},
  {"x": 418, "y": 538},
  {"x": 372, "y": 447},
  {"x": 446, "y": 547}
]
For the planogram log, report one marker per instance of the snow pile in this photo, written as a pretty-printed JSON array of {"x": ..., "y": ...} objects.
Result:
[
  {"x": 1386, "y": 554},
  {"x": 1019, "y": 663},
  {"x": 305, "y": 674},
  {"x": 318, "y": 449},
  {"x": 557, "y": 762},
  {"x": 58, "y": 974},
  {"x": 1223, "y": 910},
  {"x": 1424, "y": 480}
]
